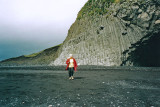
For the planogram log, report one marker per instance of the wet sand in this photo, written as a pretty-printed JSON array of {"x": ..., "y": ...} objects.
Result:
[{"x": 96, "y": 88}]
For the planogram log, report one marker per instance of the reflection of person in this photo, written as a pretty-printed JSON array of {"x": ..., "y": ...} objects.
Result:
[{"x": 71, "y": 66}]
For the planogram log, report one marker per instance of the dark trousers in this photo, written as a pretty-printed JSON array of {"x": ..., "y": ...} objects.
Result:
[{"x": 71, "y": 71}]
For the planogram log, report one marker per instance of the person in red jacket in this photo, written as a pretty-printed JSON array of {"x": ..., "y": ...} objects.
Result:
[{"x": 71, "y": 66}]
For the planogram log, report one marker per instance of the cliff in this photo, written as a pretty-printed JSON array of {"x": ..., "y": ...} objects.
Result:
[
  {"x": 41, "y": 58},
  {"x": 114, "y": 33}
]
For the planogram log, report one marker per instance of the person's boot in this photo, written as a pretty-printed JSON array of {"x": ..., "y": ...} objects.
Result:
[{"x": 72, "y": 78}]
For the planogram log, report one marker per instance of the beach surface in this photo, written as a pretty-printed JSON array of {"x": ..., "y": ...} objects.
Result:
[{"x": 90, "y": 88}]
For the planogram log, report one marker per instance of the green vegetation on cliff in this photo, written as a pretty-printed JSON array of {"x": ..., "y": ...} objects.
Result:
[
  {"x": 33, "y": 55},
  {"x": 94, "y": 7},
  {"x": 38, "y": 53},
  {"x": 43, "y": 57}
]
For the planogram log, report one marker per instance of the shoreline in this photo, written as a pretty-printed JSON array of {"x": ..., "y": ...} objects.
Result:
[{"x": 81, "y": 68}]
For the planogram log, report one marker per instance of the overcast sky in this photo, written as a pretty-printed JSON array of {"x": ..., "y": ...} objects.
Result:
[{"x": 28, "y": 26}]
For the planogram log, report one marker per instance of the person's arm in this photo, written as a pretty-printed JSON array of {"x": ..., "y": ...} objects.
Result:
[
  {"x": 75, "y": 63},
  {"x": 67, "y": 62}
]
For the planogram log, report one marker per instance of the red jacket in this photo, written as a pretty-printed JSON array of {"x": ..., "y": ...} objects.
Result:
[{"x": 74, "y": 62}]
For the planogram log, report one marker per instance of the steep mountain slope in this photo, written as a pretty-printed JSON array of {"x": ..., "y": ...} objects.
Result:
[
  {"x": 114, "y": 33},
  {"x": 41, "y": 58}
]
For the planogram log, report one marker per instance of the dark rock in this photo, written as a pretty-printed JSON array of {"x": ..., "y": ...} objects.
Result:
[
  {"x": 124, "y": 33},
  {"x": 101, "y": 27}
]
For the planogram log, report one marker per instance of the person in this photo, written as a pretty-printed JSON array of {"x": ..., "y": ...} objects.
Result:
[{"x": 71, "y": 66}]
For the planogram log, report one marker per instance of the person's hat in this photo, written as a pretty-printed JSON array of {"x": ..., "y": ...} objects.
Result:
[{"x": 70, "y": 55}]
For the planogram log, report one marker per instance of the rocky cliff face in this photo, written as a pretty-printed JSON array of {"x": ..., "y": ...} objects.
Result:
[{"x": 114, "y": 33}]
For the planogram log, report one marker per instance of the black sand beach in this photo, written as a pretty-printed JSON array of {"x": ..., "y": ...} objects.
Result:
[{"x": 90, "y": 88}]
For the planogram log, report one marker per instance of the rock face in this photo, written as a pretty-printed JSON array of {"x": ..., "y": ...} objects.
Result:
[{"x": 114, "y": 33}]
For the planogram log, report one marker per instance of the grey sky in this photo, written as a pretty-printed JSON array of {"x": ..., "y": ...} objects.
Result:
[{"x": 28, "y": 26}]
